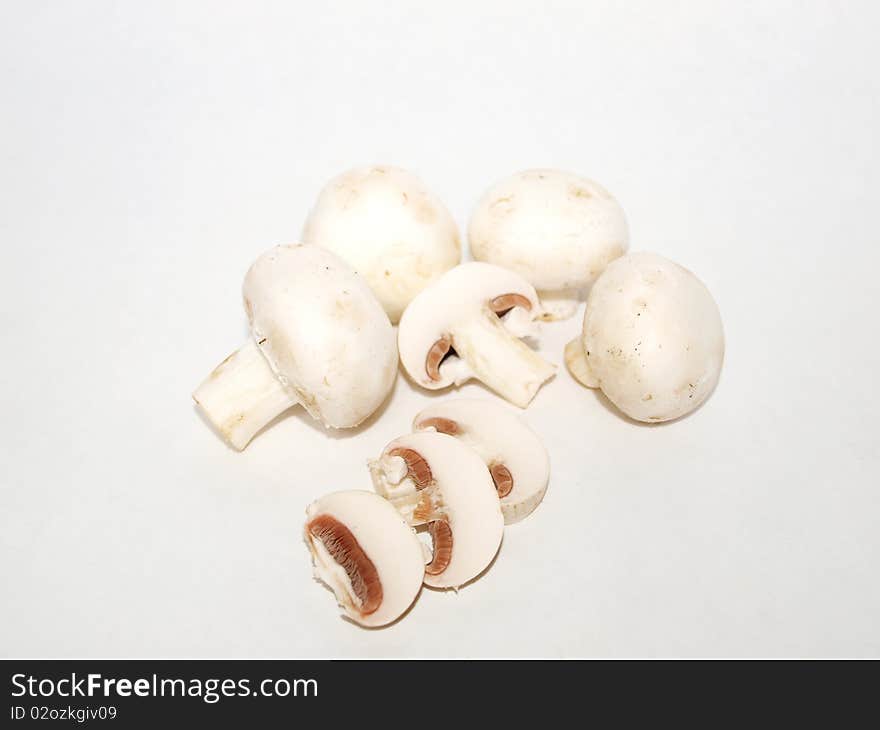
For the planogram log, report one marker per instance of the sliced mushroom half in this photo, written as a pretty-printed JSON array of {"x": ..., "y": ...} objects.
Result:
[
  {"x": 517, "y": 460},
  {"x": 366, "y": 554},
  {"x": 435, "y": 480},
  {"x": 468, "y": 324}
]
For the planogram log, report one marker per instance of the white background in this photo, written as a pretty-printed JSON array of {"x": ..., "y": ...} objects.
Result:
[{"x": 149, "y": 151}]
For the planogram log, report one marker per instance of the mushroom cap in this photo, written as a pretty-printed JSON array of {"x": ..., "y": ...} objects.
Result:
[
  {"x": 462, "y": 492},
  {"x": 322, "y": 332},
  {"x": 462, "y": 294},
  {"x": 389, "y": 227},
  {"x": 554, "y": 228},
  {"x": 387, "y": 541},
  {"x": 652, "y": 337},
  {"x": 499, "y": 437}
]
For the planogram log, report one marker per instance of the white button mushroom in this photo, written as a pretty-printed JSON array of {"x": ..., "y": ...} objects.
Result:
[
  {"x": 319, "y": 338},
  {"x": 435, "y": 480},
  {"x": 652, "y": 339},
  {"x": 366, "y": 554},
  {"x": 516, "y": 458},
  {"x": 390, "y": 228},
  {"x": 556, "y": 229},
  {"x": 466, "y": 325}
]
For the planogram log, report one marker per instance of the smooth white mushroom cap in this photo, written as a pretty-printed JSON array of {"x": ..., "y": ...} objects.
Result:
[
  {"x": 460, "y": 492},
  {"x": 501, "y": 439},
  {"x": 556, "y": 229},
  {"x": 322, "y": 332},
  {"x": 487, "y": 347},
  {"x": 652, "y": 338},
  {"x": 390, "y": 545},
  {"x": 389, "y": 227}
]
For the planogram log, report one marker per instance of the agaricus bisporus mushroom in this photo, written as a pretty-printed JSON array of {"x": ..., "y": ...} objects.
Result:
[
  {"x": 366, "y": 554},
  {"x": 389, "y": 227},
  {"x": 435, "y": 480},
  {"x": 467, "y": 324},
  {"x": 319, "y": 338},
  {"x": 517, "y": 460},
  {"x": 556, "y": 229},
  {"x": 652, "y": 339}
]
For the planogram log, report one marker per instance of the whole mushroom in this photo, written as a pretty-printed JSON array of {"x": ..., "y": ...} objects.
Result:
[
  {"x": 467, "y": 324},
  {"x": 556, "y": 229},
  {"x": 652, "y": 339},
  {"x": 367, "y": 555},
  {"x": 319, "y": 339},
  {"x": 385, "y": 223}
]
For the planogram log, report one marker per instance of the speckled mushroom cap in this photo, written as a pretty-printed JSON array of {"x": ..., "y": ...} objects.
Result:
[
  {"x": 556, "y": 229},
  {"x": 385, "y": 223},
  {"x": 652, "y": 338}
]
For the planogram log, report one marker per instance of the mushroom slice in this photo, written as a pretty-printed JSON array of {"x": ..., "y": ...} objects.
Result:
[
  {"x": 435, "y": 480},
  {"x": 394, "y": 231},
  {"x": 467, "y": 324},
  {"x": 517, "y": 460},
  {"x": 652, "y": 339},
  {"x": 320, "y": 339},
  {"x": 557, "y": 230},
  {"x": 366, "y": 554}
]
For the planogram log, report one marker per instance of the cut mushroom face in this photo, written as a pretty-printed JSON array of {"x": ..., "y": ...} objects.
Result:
[
  {"x": 320, "y": 339},
  {"x": 435, "y": 480},
  {"x": 467, "y": 325},
  {"x": 517, "y": 460},
  {"x": 390, "y": 228},
  {"x": 366, "y": 554},
  {"x": 652, "y": 339},
  {"x": 557, "y": 230}
]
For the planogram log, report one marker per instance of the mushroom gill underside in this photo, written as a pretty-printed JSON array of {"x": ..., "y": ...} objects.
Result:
[{"x": 363, "y": 588}]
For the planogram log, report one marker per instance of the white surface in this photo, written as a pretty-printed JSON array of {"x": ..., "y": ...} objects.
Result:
[{"x": 150, "y": 152}]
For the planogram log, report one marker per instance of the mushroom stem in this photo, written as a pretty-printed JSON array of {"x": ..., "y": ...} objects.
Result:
[
  {"x": 500, "y": 360},
  {"x": 560, "y": 304},
  {"x": 576, "y": 360},
  {"x": 242, "y": 395},
  {"x": 392, "y": 480}
]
